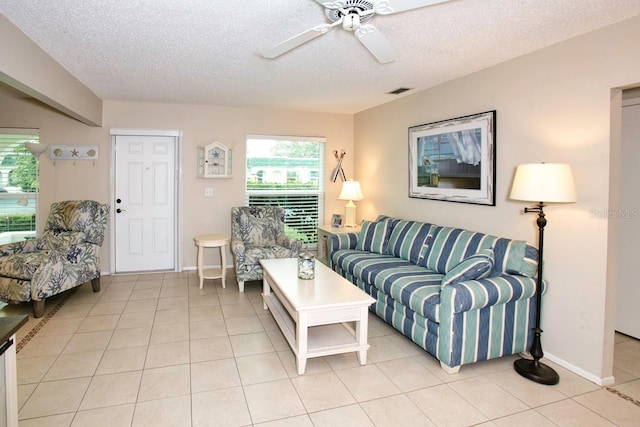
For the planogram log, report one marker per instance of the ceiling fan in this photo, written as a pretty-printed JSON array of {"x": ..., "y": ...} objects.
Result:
[{"x": 351, "y": 14}]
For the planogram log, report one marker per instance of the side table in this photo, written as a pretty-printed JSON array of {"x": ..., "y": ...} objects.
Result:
[
  {"x": 212, "y": 241},
  {"x": 324, "y": 231}
]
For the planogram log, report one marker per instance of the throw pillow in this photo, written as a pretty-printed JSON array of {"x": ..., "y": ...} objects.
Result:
[
  {"x": 474, "y": 267},
  {"x": 373, "y": 237}
]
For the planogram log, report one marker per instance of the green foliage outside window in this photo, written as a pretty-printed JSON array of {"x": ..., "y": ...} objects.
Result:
[{"x": 23, "y": 174}]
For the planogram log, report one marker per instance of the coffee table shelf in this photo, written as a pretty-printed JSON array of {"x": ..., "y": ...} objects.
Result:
[{"x": 313, "y": 314}]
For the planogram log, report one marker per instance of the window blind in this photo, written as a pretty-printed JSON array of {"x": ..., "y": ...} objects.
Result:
[{"x": 289, "y": 173}]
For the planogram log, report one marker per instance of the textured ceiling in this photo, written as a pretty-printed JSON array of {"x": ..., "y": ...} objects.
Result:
[{"x": 207, "y": 51}]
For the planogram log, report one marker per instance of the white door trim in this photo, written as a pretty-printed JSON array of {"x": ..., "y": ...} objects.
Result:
[{"x": 178, "y": 190}]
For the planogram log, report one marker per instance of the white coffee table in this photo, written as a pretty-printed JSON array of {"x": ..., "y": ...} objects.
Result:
[{"x": 311, "y": 313}]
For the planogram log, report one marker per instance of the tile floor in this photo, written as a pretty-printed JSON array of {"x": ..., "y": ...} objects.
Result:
[{"x": 155, "y": 350}]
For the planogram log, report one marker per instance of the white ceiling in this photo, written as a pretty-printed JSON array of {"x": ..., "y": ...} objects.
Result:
[{"x": 207, "y": 51}]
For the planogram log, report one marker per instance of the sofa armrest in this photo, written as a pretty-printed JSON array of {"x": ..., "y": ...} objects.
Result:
[
  {"x": 477, "y": 294},
  {"x": 338, "y": 241},
  {"x": 294, "y": 245}
]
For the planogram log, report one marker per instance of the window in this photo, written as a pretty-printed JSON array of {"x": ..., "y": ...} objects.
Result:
[
  {"x": 287, "y": 172},
  {"x": 18, "y": 185}
]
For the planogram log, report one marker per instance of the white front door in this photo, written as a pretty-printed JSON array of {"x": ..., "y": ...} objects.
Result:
[{"x": 145, "y": 203}]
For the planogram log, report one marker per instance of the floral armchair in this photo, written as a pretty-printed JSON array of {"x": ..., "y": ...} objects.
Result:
[
  {"x": 258, "y": 233},
  {"x": 64, "y": 257}
]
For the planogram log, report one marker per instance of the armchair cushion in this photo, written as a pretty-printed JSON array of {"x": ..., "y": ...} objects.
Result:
[
  {"x": 21, "y": 266},
  {"x": 253, "y": 253},
  {"x": 62, "y": 239}
]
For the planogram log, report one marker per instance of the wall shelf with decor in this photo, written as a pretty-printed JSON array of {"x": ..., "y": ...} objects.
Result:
[{"x": 214, "y": 161}]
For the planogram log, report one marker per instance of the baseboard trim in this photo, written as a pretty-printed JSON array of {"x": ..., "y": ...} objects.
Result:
[{"x": 603, "y": 382}]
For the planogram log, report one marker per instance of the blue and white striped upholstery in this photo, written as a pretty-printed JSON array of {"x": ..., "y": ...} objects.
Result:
[
  {"x": 374, "y": 236},
  {"x": 464, "y": 321}
]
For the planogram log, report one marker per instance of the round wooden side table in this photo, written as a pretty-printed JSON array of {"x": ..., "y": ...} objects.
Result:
[{"x": 212, "y": 241}]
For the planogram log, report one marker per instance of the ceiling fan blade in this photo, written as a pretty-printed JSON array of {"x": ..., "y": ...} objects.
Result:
[
  {"x": 387, "y": 7},
  {"x": 376, "y": 43},
  {"x": 297, "y": 40},
  {"x": 335, "y": 4}
]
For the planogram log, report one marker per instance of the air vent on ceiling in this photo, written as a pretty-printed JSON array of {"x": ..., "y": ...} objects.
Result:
[{"x": 399, "y": 91}]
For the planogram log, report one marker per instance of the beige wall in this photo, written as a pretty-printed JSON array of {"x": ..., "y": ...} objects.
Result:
[
  {"x": 552, "y": 105},
  {"x": 200, "y": 125}
]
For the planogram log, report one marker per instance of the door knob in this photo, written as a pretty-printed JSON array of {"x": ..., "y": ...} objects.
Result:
[
  {"x": 118, "y": 200},
  {"x": 120, "y": 210}
]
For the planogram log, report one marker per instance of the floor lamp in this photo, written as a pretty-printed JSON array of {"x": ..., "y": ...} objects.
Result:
[{"x": 541, "y": 183}]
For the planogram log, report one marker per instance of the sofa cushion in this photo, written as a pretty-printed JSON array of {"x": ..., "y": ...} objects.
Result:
[
  {"x": 407, "y": 240},
  {"x": 374, "y": 237},
  {"x": 476, "y": 266},
  {"x": 405, "y": 282},
  {"x": 452, "y": 245}
]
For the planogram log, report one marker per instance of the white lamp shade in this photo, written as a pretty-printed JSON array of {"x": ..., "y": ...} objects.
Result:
[
  {"x": 351, "y": 191},
  {"x": 35, "y": 148},
  {"x": 544, "y": 182}
]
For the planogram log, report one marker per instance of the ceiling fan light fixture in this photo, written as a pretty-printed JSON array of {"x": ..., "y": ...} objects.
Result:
[{"x": 351, "y": 21}]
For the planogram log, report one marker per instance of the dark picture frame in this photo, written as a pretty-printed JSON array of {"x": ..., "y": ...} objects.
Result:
[{"x": 454, "y": 160}]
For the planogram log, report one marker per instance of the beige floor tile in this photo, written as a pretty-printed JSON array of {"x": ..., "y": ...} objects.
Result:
[
  {"x": 207, "y": 329},
  {"x": 437, "y": 403},
  {"x": 395, "y": 411},
  {"x": 74, "y": 310},
  {"x": 631, "y": 346},
  {"x": 99, "y": 323},
  {"x": 247, "y": 344},
  {"x": 622, "y": 377},
  {"x": 74, "y": 365},
  {"x": 55, "y": 397},
  {"x": 114, "y": 416},
  {"x": 383, "y": 349},
  {"x": 611, "y": 407},
  {"x": 405, "y": 344},
  {"x": 631, "y": 388},
  {"x": 204, "y": 300},
  {"x": 367, "y": 382},
  {"x": 571, "y": 384},
  {"x": 170, "y": 333},
  {"x": 226, "y": 407},
  {"x": 322, "y": 391},
  {"x": 172, "y": 291},
  {"x": 61, "y": 326},
  {"x": 171, "y": 412},
  {"x": 299, "y": 421},
  {"x": 210, "y": 349},
  {"x": 268, "y": 322},
  {"x": 122, "y": 360},
  {"x": 529, "y": 392},
  {"x": 569, "y": 413},
  {"x": 214, "y": 375},
  {"x": 205, "y": 313},
  {"x": 232, "y": 311},
  {"x": 146, "y": 294},
  {"x": 408, "y": 374},
  {"x": 488, "y": 397},
  {"x": 347, "y": 416},
  {"x": 342, "y": 361},
  {"x": 177, "y": 303},
  {"x": 111, "y": 390},
  {"x": 88, "y": 341},
  {"x": 33, "y": 369},
  {"x": 259, "y": 368},
  {"x": 627, "y": 362},
  {"x": 129, "y": 338},
  {"x": 136, "y": 306},
  {"x": 315, "y": 365},
  {"x": 529, "y": 418},
  {"x": 161, "y": 383},
  {"x": 142, "y": 319},
  {"x": 63, "y": 420},
  {"x": 273, "y": 400},
  {"x": 42, "y": 346},
  {"x": 105, "y": 308},
  {"x": 243, "y": 325},
  {"x": 278, "y": 340},
  {"x": 167, "y": 317},
  {"x": 113, "y": 295},
  {"x": 147, "y": 284},
  {"x": 175, "y": 353}
]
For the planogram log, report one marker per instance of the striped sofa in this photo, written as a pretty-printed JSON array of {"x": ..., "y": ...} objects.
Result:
[{"x": 463, "y": 296}]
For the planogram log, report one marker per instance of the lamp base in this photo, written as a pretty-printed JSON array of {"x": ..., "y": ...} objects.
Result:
[{"x": 536, "y": 371}]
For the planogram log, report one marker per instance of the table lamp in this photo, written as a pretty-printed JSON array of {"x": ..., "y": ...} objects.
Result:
[
  {"x": 541, "y": 183},
  {"x": 350, "y": 191}
]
